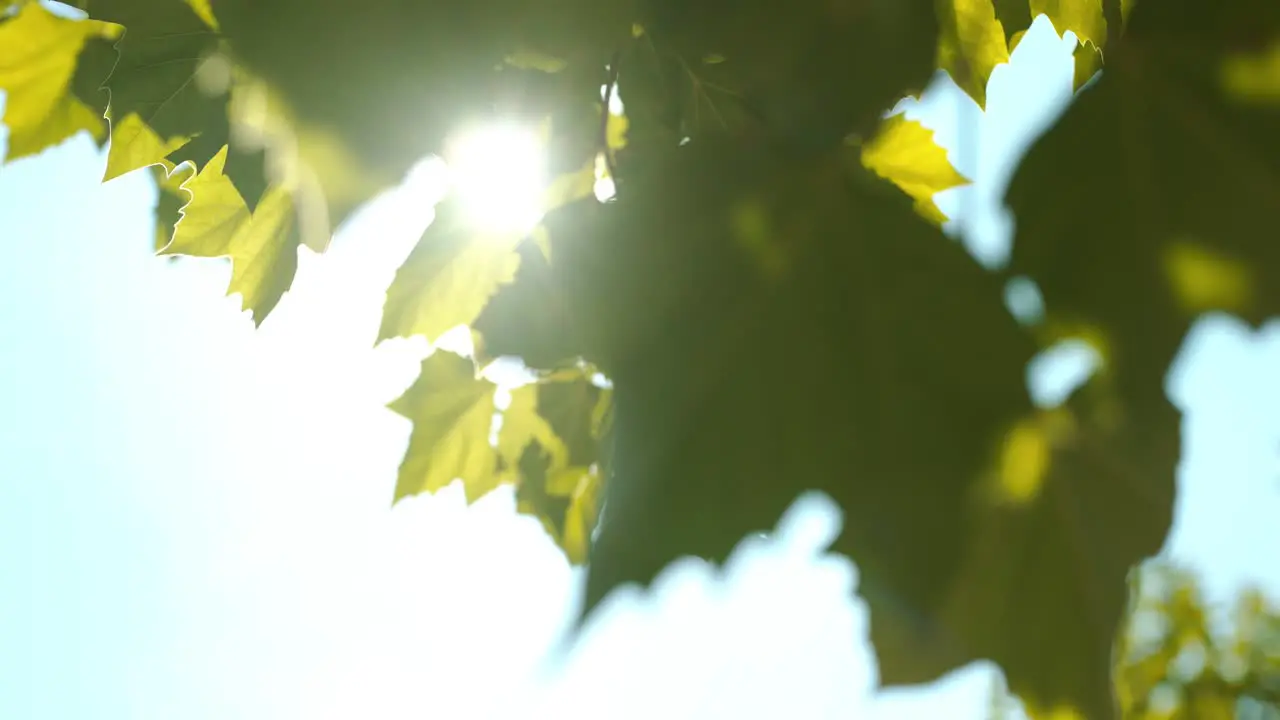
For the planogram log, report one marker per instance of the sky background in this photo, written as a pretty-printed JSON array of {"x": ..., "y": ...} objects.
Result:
[{"x": 195, "y": 516}]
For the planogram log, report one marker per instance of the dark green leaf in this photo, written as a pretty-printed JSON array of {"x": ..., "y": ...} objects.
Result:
[
  {"x": 164, "y": 47},
  {"x": 1168, "y": 205}
]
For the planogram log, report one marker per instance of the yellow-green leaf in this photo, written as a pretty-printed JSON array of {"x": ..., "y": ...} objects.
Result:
[
  {"x": 447, "y": 278},
  {"x": 1253, "y": 77},
  {"x": 582, "y": 486},
  {"x": 452, "y": 411},
  {"x": 1085, "y": 18},
  {"x": 262, "y": 244},
  {"x": 264, "y": 254},
  {"x": 203, "y": 11},
  {"x": 38, "y": 51},
  {"x": 971, "y": 45},
  {"x": 214, "y": 216},
  {"x": 522, "y": 425},
  {"x": 904, "y": 153},
  {"x": 135, "y": 145}
]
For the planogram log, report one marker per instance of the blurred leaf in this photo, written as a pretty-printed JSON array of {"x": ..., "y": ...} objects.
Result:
[
  {"x": 202, "y": 10},
  {"x": 972, "y": 44},
  {"x": 1233, "y": 671},
  {"x": 551, "y": 435},
  {"x": 904, "y": 153},
  {"x": 1085, "y": 18},
  {"x": 805, "y": 74},
  {"x": 522, "y": 425},
  {"x": 565, "y": 501},
  {"x": 1253, "y": 76},
  {"x": 1177, "y": 215},
  {"x": 38, "y": 52},
  {"x": 738, "y": 385},
  {"x": 452, "y": 411},
  {"x": 529, "y": 317},
  {"x": 1109, "y": 456},
  {"x": 410, "y": 75}
]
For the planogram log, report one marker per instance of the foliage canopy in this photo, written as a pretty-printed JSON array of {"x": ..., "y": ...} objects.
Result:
[{"x": 768, "y": 292}]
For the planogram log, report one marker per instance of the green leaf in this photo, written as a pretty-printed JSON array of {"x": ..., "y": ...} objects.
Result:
[
  {"x": 570, "y": 401},
  {"x": 1177, "y": 216},
  {"x": 38, "y": 52},
  {"x": 552, "y": 435},
  {"x": 972, "y": 44},
  {"x": 163, "y": 49},
  {"x": 262, "y": 244},
  {"x": 803, "y": 73},
  {"x": 1039, "y": 575},
  {"x": 566, "y": 501},
  {"x": 451, "y": 411},
  {"x": 904, "y": 153},
  {"x": 447, "y": 278},
  {"x": 738, "y": 384},
  {"x": 522, "y": 425},
  {"x": 529, "y": 317}
]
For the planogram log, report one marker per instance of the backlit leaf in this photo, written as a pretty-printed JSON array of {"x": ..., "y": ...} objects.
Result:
[
  {"x": 135, "y": 145},
  {"x": 972, "y": 44},
  {"x": 264, "y": 254},
  {"x": 214, "y": 215},
  {"x": 262, "y": 244},
  {"x": 1085, "y": 18},
  {"x": 522, "y": 425},
  {"x": 448, "y": 277},
  {"x": 904, "y": 153},
  {"x": 38, "y": 52},
  {"x": 451, "y": 410}
]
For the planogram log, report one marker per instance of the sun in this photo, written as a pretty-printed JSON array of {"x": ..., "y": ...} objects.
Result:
[{"x": 497, "y": 172}]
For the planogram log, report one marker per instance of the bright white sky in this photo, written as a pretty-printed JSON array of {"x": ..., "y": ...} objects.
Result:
[{"x": 195, "y": 520}]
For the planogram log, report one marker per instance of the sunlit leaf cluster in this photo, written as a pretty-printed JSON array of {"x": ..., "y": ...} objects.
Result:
[
  {"x": 1181, "y": 658},
  {"x": 746, "y": 246}
]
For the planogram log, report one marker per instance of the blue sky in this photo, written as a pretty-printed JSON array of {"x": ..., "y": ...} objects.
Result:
[{"x": 195, "y": 518}]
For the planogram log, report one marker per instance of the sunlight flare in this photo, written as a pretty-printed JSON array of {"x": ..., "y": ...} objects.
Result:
[{"x": 498, "y": 173}]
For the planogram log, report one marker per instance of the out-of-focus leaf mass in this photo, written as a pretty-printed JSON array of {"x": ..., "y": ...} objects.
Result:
[{"x": 766, "y": 304}]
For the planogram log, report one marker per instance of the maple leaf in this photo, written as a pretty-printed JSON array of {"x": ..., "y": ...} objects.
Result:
[
  {"x": 38, "y": 55},
  {"x": 448, "y": 277},
  {"x": 452, "y": 411},
  {"x": 170, "y": 92},
  {"x": 262, "y": 243},
  {"x": 163, "y": 48}
]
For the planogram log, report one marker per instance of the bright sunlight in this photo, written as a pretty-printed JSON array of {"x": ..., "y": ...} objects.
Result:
[{"x": 498, "y": 173}]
